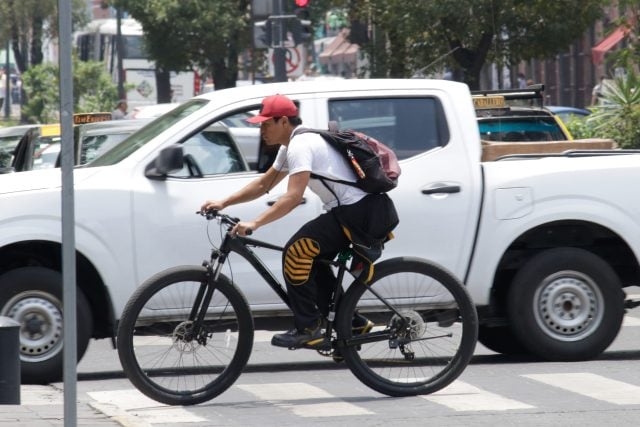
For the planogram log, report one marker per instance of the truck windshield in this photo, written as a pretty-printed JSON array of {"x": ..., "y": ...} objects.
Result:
[{"x": 147, "y": 133}]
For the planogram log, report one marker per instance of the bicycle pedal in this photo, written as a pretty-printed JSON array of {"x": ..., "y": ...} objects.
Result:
[{"x": 323, "y": 344}]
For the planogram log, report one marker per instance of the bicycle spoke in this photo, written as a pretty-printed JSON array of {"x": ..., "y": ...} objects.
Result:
[{"x": 172, "y": 360}]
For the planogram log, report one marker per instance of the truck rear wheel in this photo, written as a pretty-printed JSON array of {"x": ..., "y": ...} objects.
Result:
[
  {"x": 566, "y": 304},
  {"x": 33, "y": 297}
]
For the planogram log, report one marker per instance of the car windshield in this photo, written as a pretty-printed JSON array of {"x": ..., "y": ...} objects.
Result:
[
  {"x": 147, "y": 133},
  {"x": 521, "y": 129}
]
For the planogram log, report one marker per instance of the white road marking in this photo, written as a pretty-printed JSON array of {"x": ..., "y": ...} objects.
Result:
[
  {"x": 461, "y": 396},
  {"x": 592, "y": 385},
  {"x": 631, "y": 321},
  {"x": 135, "y": 409},
  {"x": 285, "y": 395}
]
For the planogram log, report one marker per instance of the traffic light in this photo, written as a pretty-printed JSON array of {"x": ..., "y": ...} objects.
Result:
[
  {"x": 262, "y": 36},
  {"x": 302, "y": 3},
  {"x": 301, "y": 31}
]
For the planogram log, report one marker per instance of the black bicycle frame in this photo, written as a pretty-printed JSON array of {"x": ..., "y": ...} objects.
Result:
[{"x": 241, "y": 246}]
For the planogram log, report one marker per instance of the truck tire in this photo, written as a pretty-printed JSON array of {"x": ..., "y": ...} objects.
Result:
[
  {"x": 501, "y": 340},
  {"x": 566, "y": 304},
  {"x": 33, "y": 297}
]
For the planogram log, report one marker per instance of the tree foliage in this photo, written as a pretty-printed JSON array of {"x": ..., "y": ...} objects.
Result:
[
  {"x": 195, "y": 34},
  {"x": 26, "y": 23},
  {"x": 618, "y": 116},
  {"x": 93, "y": 90},
  {"x": 407, "y": 36},
  {"x": 628, "y": 56}
]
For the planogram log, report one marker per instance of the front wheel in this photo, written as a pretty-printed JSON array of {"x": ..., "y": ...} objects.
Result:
[
  {"x": 161, "y": 353},
  {"x": 425, "y": 345}
]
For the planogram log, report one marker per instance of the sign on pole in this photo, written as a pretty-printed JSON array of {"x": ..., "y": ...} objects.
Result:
[{"x": 294, "y": 61}]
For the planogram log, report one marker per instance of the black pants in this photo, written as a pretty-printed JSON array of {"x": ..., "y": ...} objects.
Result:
[{"x": 310, "y": 284}]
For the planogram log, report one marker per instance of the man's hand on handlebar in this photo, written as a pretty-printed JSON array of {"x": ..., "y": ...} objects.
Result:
[
  {"x": 212, "y": 205},
  {"x": 244, "y": 228}
]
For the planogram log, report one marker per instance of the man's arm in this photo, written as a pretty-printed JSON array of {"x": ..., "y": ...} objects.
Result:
[
  {"x": 251, "y": 191},
  {"x": 285, "y": 204}
]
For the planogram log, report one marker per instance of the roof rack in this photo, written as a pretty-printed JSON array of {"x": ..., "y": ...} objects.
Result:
[{"x": 530, "y": 96}]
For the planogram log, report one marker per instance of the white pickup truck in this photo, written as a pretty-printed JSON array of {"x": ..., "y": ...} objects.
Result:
[{"x": 545, "y": 245}]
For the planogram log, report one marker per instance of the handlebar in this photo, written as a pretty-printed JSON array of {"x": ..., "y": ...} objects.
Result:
[{"x": 225, "y": 219}]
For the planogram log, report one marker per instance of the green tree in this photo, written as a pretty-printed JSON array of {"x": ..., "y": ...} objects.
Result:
[
  {"x": 407, "y": 36},
  {"x": 93, "y": 90},
  {"x": 196, "y": 34},
  {"x": 629, "y": 55},
  {"x": 618, "y": 117},
  {"x": 26, "y": 24}
]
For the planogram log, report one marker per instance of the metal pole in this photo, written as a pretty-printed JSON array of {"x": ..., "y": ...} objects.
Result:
[
  {"x": 68, "y": 218},
  {"x": 279, "y": 51},
  {"x": 7, "y": 92},
  {"x": 120, "y": 52}
]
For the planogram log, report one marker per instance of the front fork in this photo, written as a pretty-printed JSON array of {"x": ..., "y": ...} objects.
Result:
[{"x": 203, "y": 298}]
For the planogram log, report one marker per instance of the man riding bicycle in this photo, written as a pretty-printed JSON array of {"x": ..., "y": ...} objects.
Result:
[{"x": 353, "y": 216}]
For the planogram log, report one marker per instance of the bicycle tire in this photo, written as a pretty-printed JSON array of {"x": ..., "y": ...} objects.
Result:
[
  {"x": 443, "y": 328},
  {"x": 151, "y": 346}
]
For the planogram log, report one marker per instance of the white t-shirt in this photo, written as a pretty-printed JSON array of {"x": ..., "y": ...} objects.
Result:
[{"x": 309, "y": 152}]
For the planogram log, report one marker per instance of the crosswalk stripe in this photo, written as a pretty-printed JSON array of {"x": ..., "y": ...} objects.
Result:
[
  {"x": 461, "y": 396},
  {"x": 130, "y": 405},
  {"x": 285, "y": 395},
  {"x": 631, "y": 321},
  {"x": 592, "y": 385}
]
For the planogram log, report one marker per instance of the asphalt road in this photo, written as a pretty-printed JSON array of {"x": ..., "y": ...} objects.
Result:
[{"x": 286, "y": 388}]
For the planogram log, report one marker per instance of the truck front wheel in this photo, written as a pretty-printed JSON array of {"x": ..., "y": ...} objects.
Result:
[
  {"x": 33, "y": 297},
  {"x": 566, "y": 304}
]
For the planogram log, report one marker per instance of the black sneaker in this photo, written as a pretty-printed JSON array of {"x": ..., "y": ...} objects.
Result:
[{"x": 297, "y": 339}]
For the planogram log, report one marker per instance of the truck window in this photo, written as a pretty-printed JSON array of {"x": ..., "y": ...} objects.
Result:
[
  {"x": 213, "y": 151},
  {"x": 409, "y": 126}
]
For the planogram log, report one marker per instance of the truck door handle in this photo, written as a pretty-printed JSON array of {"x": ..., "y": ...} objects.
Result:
[
  {"x": 449, "y": 189},
  {"x": 273, "y": 202}
]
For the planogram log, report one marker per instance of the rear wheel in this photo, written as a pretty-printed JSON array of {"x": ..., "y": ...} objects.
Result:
[
  {"x": 423, "y": 349},
  {"x": 566, "y": 304},
  {"x": 161, "y": 354}
]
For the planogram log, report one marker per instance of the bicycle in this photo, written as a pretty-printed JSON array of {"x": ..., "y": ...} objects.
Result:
[{"x": 186, "y": 333}]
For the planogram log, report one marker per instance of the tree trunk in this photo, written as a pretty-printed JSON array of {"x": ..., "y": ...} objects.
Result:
[
  {"x": 471, "y": 61},
  {"x": 163, "y": 86},
  {"x": 36, "y": 40}
]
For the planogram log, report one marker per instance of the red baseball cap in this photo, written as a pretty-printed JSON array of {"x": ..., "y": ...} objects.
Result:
[{"x": 275, "y": 106}]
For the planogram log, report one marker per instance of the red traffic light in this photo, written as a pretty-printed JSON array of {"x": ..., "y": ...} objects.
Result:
[{"x": 302, "y": 3}]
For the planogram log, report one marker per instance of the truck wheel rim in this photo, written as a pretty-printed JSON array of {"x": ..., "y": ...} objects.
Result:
[
  {"x": 40, "y": 317},
  {"x": 568, "y": 306}
]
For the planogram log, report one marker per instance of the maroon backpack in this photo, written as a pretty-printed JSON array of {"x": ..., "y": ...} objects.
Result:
[{"x": 375, "y": 165}]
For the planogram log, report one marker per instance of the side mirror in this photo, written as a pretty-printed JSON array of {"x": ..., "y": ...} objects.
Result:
[{"x": 169, "y": 160}]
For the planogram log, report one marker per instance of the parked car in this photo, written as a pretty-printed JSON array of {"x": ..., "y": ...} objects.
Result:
[
  {"x": 151, "y": 111},
  {"x": 9, "y": 138},
  {"x": 517, "y": 115},
  {"x": 40, "y": 147},
  {"x": 567, "y": 113}
]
